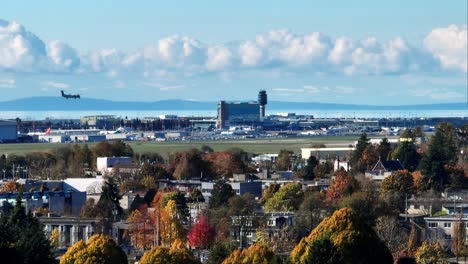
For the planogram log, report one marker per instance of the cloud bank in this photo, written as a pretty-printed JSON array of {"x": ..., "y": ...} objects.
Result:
[{"x": 442, "y": 49}]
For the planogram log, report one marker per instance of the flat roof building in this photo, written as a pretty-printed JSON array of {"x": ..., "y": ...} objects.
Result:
[
  {"x": 241, "y": 113},
  {"x": 8, "y": 131}
]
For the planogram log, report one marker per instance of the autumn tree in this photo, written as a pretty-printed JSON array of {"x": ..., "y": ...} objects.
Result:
[
  {"x": 11, "y": 186},
  {"x": 113, "y": 149},
  {"x": 429, "y": 253},
  {"x": 459, "y": 237},
  {"x": 140, "y": 230},
  {"x": 175, "y": 254},
  {"x": 99, "y": 249},
  {"x": 283, "y": 162},
  {"x": 201, "y": 234},
  {"x": 370, "y": 156},
  {"x": 54, "y": 238},
  {"x": 269, "y": 191},
  {"x": 342, "y": 185},
  {"x": 257, "y": 253},
  {"x": 225, "y": 163},
  {"x": 286, "y": 199},
  {"x": 398, "y": 182},
  {"x": 413, "y": 241},
  {"x": 167, "y": 217},
  {"x": 344, "y": 237},
  {"x": 389, "y": 230},
  {"x": 187, "y": 164}
]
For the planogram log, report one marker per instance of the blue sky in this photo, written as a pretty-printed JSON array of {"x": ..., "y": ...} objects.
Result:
[{"x": 366, "y": 52}]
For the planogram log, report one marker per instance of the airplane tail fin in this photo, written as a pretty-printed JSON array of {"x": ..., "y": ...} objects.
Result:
[
  {"x": 62, "y": 92},
  {"x": 48, "y": 131}
]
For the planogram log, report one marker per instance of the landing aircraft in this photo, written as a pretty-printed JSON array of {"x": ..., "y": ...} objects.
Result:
[{"x": 68, "y": 96}]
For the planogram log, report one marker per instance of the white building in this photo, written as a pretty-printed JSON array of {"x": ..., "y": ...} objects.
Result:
[
  {"x": 325, "y": 152},
  {"x": 107, "y": 164},
  {"x": 441, "y": 228}
]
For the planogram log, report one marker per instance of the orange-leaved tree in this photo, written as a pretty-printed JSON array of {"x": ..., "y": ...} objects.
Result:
[
  {"x": 342, "y": 185},
  {"x": 11, "y": 186},
  {"x": 141, "y": 229}
]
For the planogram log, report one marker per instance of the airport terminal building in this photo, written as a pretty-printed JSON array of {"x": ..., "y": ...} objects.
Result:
[{"x": 241, "y": 113}]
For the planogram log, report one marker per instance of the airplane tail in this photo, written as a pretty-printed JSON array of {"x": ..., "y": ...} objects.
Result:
[
  {"x": 62, "y": 92},
  {"x": 48, "y": 130}
]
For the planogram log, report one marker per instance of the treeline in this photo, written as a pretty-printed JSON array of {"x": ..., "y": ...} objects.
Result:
[{"x": 437, "y": 163}]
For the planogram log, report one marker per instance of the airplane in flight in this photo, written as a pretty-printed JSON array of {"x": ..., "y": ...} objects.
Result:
[{"x": 70, "y": 96}]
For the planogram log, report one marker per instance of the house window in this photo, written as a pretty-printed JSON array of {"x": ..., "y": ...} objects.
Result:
[
  {"x": 447, "y": 225},
  {"x": 432, "y": 225},
  {"x": 248, "y": 234},
  {"x": 448, "y": 236},
  {"x": 271, "y": 222}
]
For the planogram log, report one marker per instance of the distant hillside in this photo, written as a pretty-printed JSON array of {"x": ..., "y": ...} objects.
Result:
[{"x": 61, "y": 104}]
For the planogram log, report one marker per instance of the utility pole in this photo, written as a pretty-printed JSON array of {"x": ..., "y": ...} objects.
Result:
[{"x": 406, "y": 207}]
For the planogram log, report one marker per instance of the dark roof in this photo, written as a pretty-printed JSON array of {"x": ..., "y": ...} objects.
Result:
[
  {"x": 392, "y": 165},
  {"x": 389, "y": 165}
]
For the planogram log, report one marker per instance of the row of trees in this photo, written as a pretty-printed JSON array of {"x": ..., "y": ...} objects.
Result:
[{"x": 341, "y": 238}]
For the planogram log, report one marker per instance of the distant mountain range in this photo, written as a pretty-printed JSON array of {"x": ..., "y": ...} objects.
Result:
[{"x": 61, "y": 104}]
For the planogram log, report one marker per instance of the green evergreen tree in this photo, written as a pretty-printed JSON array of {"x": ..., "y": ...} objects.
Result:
[
  {"x": 384, "y": 149},
  {"x": 442, "y": 152},
  {"x": 356, "y": 163},
  {"x": 407, "y": 154},
  {"x": 221, "y": 193},
  {"x": 312, "y": 162},
  {"x": 22, "y": 238}
]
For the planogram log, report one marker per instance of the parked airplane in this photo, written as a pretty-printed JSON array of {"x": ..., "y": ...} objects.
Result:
[
  {"x": 47, "y": 132},
  {"x": 68, "y": 96}
]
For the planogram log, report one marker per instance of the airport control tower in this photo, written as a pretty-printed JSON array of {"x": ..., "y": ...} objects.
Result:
[{"x": 262, "y": 100}]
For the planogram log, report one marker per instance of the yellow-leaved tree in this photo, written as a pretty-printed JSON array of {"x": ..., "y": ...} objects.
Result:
[
  {"x": 54, "y": 238},
  {"x": 257, "y": 253},
  {"x": 177, "y": 253},
  {"x": 430, "y": 252},
  {"x": 99, "y": 249},
  {"x": 342, "y": 238}
]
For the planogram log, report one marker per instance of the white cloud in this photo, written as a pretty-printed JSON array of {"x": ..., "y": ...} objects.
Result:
[
  {"x": 288, "y": 90},
  {"x": 449, "y": 46},
  {"x": 218, "y": 57},
  {"x": 440, "y": 94},
  {"x": 164, "y": 87},
  {"x": 313, "y": 89},
  {"x": 63, "y": 56},
  {"x": 20, "y": 50},
  {"x": 250, "y": 54},
  {"x": 57, "y": 85},
  {"x": 7, "y": 83},
  {"x": 282, "y": 50}
]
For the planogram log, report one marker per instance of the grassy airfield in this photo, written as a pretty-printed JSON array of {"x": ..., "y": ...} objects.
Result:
[{"x": 257, "y": 146}]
